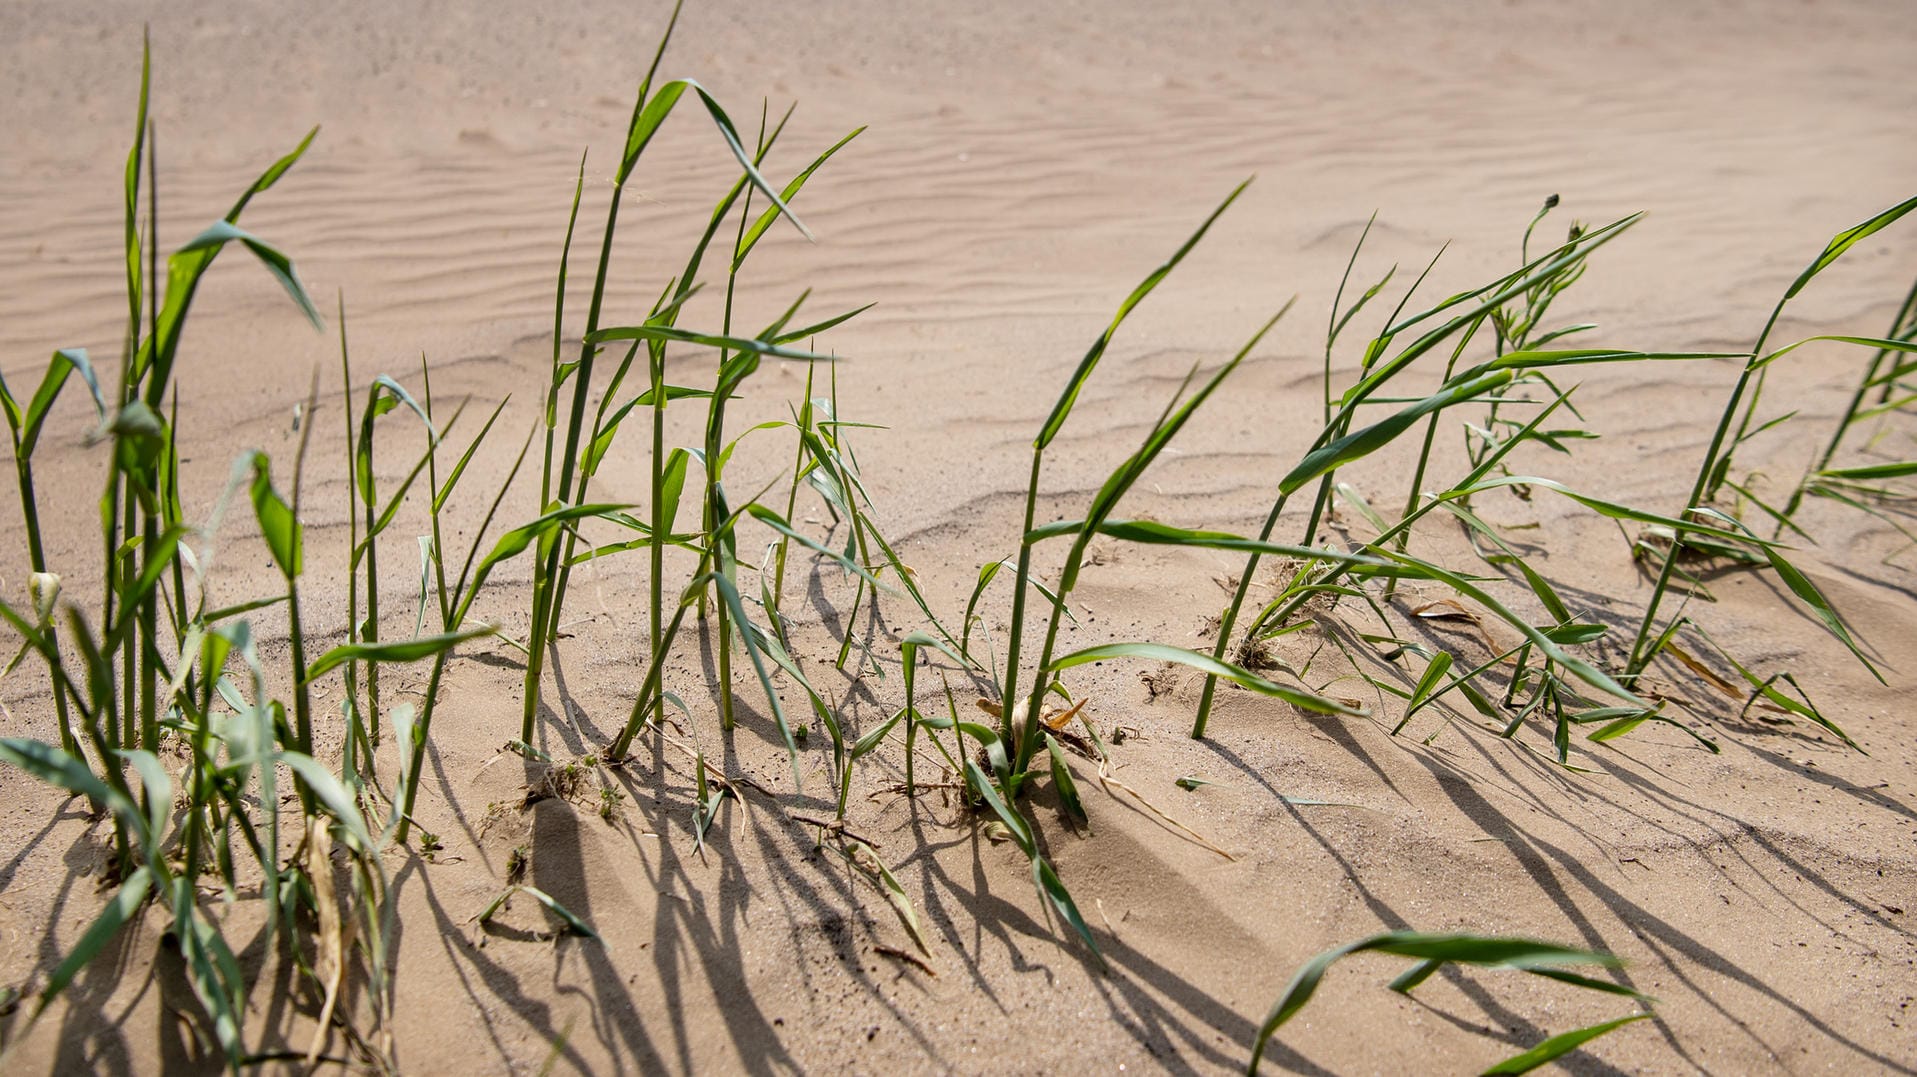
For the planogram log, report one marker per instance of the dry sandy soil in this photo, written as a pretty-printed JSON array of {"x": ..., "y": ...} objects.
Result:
[{"x": 1025, "y": 165}]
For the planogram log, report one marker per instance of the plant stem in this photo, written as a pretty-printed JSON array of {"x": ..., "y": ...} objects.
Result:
[
  {"x": 1229, "y": 621},
  {"x": 804, "y": 422},
  {"x": 1699, "y": 494},
  {"x": 1020, "y": 580},
  {"x": 419, "y": 748},
  {"x": 371, "y": 634},
  {"x": 37, "y": 560},
  {"x": 656, "y": 362},
  {"x": 547, "y": 599},
  {"x": 302, "y": 693},
  {"x": 911, "y": 656},
  {"x": 715, "y": 445}
]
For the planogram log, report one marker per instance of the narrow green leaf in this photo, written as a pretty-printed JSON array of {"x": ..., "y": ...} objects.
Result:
[
  {"x": 1054, "y": 891},
  {"x": 1429, "y": 949},
  {"x": 1062, "y": 781},
  {"x": 1426, "y": 690},
  {"x": 1151, "y": 532},
  {"x": 1846, "y": 239},
  {"x": 1205, "y": 663},
  {"x": 872, "y": 738},
  {"x": 1063, "y": 408},
  {"x": 405, "y": 650},
  {"x": 1558, "y": 1046},
  {"x": 445, "y": 490},
  {"x": 778, "y": 523},
  {"x": 28, "y": 424},
  {"x": 573, "y": 923},
  {"x": 1869, "y": 472},
  {"x": 278, "y": 526},
  {"x": 514, "y": 542},
  {"x": 1584, "y": 671},
  {"x": 156, "y": 787},
  {"x": 866, "y": 859},
  {"x": 1363, "y": 442},
  {"x": 1021, "y": 830},
  {"x": 792, "y": 187},
  {"x": 730, "y": 596},
  {"x": 785, "y": 336},
  {"x": 55, "y": 767},
  {"x": 646, "y": 123},
  {"x": 219, "y": 233},
  {"x": 326, "y": 787},
  {"x": 670, "y": 334},
  {"x": 1803, "y": 588}
]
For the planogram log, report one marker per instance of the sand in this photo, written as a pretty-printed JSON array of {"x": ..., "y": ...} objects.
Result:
[{"x": 1024, "y": 166}]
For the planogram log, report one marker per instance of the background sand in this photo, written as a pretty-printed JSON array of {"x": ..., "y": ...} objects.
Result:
[{"x": 1023, "y": 169}]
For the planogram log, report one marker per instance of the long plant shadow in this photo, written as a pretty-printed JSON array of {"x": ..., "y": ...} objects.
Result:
[
  {"x": 1500, "y": 1021},
  {"x": 494, "y": 983},
  {"x": 1679, "y": 952},
  {"x": 558, "y": 868},
  {"x": 691, "y": 938}
]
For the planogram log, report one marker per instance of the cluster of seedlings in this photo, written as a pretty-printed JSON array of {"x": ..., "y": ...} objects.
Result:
[{"x": 145, "y": 671}]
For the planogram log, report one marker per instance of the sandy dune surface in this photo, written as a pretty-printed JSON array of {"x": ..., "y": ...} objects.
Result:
[{"x": 1024, "y": 166}]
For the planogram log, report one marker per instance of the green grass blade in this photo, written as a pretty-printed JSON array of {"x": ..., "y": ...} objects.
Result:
[
  {"x": 1432, "y": 950},
  {"x": 278, "y": 526},
  {"x": 326, "y": 787},
  {"x": 1162, "y": 652},
  {"x": 1843, "y": 241},
  {"x": 1062, "y": 409},
  {"x": 671, "y": 334},
  {"x": 1585, "y": 672},
  {"x": 1363, "y": 442},
  {"x": 792, "y": 187},
  {"x": 1590, "y": 983},
  {"x": 57, "y": 768},
  {"x": 1151, "y": 532},
  {"x": 276, "y": 262},
  {"x": 406, "y": 650},
  {"x": 602, "y": 441},
  {"x": 1304, "y": 984},
  {"x": 514, "y": 542},
  {"x": 866, "y": 859},
  {"x": 1871, "y": 472},
  {"x": 777, "y": 523},
  {"x": 1558, "y": 1046},
  {"x": 784, "y": 336},
  {"x": 1615, "y": 511},
  {"x": 1424, "y": 693},
  {"x": 646, "y": 124},
  {"x": 875, "y": 737},
  {"x": 987, "y": 791},
  {"x": 730, "y": 595},
  {"x": 445, "y": 491},
  {"x": 573, "y": 922},
  {"x": 28, "y": 423},
  {"x": 156, "y": 787},
  {"x": 271, "y": 176},
  {"x": 1804, "y": 589},
  {"x": 1062, "y": 781},
  {"x": 1052, "y": 888},
  {"x": 1415, "y": 975},
  {"x": 1882, "y": 344}
]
